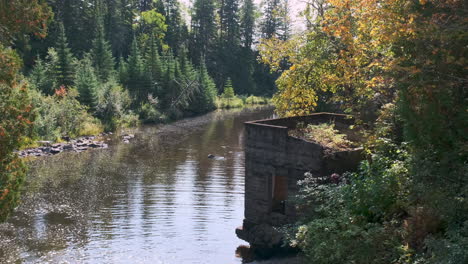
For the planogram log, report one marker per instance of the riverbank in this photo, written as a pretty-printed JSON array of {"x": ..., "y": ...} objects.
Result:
[{"x": 42, "y": 148}]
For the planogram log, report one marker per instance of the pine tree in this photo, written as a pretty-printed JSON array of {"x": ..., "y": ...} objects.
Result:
[
  {"x": 87, "y": 83},
  {"x": 40, "y": 77},
  {"x": 229, "y": 43},
  {"x": 204, "y": 35},
  {"x": 103, "y": 60},
  {"x": 153, "y": 66},
  {"x": 229, "y": 19},
  {"x": 247, "y": 23},
  {"x": 64, "y": 68},
  {"x": 228, "y": 89},
  {"x": 138, "y": 82},
  {"x": 276, "y": 22},
  {"x": 177, "y": 31},
  {"x": 247, "y": 57},
  {"x": 118, "y": 24},
  {"x": 123, "y": 70},
  {"x": 204, "y": 99}
]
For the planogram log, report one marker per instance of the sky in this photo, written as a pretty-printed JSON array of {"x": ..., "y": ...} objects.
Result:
[{"x": 296, "y": 6}]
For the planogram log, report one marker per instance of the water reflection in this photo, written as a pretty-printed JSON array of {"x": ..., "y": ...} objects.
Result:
[{"x": 156, "y": 200}]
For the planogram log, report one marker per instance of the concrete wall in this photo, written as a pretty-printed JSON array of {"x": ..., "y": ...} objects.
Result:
[{"x": 271, "y": 152}]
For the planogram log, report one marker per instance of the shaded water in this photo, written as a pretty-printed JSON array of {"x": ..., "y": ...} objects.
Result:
[{"x": 158, "y": 199}]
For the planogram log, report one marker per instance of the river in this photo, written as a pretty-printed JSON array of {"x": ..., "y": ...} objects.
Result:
[{"x": 159, "y": 199}]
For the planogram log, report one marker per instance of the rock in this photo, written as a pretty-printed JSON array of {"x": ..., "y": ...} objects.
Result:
[
  {"x": 66, "y": 138},
  {"x": 55, "y": 150},
  {"x": 68, "y": 147},
  {"x": 126, "y": 141},
  {"x": 95, "y": 144},
  {"x": 128, "y": 136},
  {"x": 211, "y": 156}
]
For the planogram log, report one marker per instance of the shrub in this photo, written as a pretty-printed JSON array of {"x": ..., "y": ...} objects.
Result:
[
  {"x": 113, "y": 106},
  {"x": 234, "y": 102},
  {"x": 256, "y": 100},
  {"x": 359, "y": 221},
  {"x": 325, "y": 134},
  {"x": 61, "y": 115},
  {"x": 15, "y": 124}
]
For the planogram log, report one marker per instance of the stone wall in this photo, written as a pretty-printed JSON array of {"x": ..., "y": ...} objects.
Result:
[{"x": 275, "y": 162}]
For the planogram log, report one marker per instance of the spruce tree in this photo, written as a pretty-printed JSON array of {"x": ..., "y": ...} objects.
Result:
[
  {"x": 87, "y": 83},
  {"x": 64, "y": 68},
  {"x": 247, "y": 57},
  {"x": 40, "y": 77},
  {"x": 204, "y": 35},
  {"x": 153, "y": 66},
  {"x": 118, "y": 24},
  {"x": 138, "y": 83},
  {"x": 228, "y": 89},
  {"x": 227, "y": 63},
  {"x": 247, "y": 23},
  {"x": 204, "y": 99},
  {"x": 177, "y": 31},
  {"x": 101, "y": 53},
  {"x": 123, "y": 71}
]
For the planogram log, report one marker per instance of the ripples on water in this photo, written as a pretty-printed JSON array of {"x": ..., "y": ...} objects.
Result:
[{"x": 158, "y": 199}]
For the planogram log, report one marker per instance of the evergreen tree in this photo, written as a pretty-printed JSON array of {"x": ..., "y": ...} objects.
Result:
[
  {"x": 64, "y": 68},
  {"x": 247, "y": 57},
  {"x": 118, "y": 24},
  {"x": 138, "y": 82},
  {"x": 87, "y": 83},
  {"x": 203, "y": 31},
  {"x": 229, "y": 43},
  {"x": 271, "y": 20},
  {"x": 204, "y": 99},
  {"x": 247, "y": 23},
  {"x": 101, "y": 53},
  {"x": 123, "y": 71},
  {"x": 228, "y": 89},
  {"x": 229, "y": 22},
  {"x": 276, "y": 21},
  {"x": 40, "y": 77},
  {"x": 153, "y": 66},
  {"x": 177, "y": 31}
]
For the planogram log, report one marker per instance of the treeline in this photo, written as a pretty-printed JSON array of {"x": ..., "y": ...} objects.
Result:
[{"x": 116, "y": 62}]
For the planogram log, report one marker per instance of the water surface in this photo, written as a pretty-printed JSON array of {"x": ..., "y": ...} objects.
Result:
[{"x": 158, "y": 199}]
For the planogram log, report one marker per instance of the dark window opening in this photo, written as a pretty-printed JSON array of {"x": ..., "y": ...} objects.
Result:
[{"x": 279, "y": 194}]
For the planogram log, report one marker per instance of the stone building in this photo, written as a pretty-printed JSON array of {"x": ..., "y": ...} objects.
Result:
[{"x": 275, "y": 162}]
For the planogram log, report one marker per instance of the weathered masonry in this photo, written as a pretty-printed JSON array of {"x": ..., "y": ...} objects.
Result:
[{"x": 275, "y": 162}]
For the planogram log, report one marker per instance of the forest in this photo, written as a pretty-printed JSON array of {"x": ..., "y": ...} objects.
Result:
[{"x": 69, "y": 68}]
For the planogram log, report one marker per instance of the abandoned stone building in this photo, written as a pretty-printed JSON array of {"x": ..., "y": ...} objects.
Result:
[{"x": 275, "y": 162}]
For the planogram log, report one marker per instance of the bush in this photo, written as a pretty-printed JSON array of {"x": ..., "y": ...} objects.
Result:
[
  {"x": 149, "y": 112},
  {"x": 256, "y": 100},
  {"x": 359, "y": 221},
  {"x": 324, "y": 134},
  {"x": 61, "y": 115},
  {"x": 113, "y": 106},
  {"x": 15, "y": 125},
  {"x": 227, "y": 103}
]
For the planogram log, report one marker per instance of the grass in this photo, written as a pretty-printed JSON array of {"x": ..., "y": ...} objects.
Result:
[
  {"x": 227, "y": 103},
  {"x": 240, "y": 101},
  {"x": 324, "y": 134}
]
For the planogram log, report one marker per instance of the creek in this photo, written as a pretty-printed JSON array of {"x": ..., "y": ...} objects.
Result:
[{"x": 158, "y": 199}]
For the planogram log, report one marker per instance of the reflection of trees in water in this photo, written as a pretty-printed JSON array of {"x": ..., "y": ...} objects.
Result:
[{"x": 71, "y": 197}]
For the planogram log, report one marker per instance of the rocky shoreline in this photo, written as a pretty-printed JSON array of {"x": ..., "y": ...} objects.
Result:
[{"x": 71, "y": 145}]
